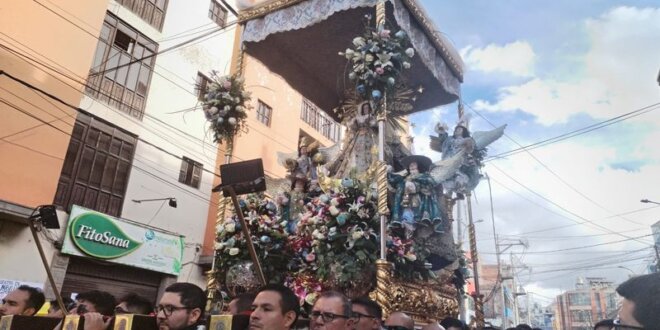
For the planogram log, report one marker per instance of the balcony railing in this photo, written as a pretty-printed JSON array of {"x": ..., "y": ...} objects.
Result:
[{"x": 320, "y": 121}]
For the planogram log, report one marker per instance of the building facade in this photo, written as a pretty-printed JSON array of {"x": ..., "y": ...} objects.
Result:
[
  {"x": 592, "y": 300},
  {"x": 125, "y": 142}
]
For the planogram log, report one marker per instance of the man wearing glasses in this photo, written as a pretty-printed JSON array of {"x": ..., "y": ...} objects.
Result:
[
  {"x": 181, "y": 307},
  {"x": 367, "y": 314},
  {"x": 331, "y": 311},
  {"x": 640, "y": 308}
]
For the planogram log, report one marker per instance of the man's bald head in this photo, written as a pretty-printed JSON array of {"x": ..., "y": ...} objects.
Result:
[
  {"x": 401, "y": 319},
  {"x": 433, "y": 326}
]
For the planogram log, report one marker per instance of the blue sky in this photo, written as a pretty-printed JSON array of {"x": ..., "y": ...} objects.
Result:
[{"x": 547, "y": 68}]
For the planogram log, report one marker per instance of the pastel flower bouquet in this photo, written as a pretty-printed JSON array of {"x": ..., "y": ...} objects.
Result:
[
  {"x": 269, "y": 236},
  {"x": 377, "y": 60},
  {"x": 336, "y": 240},
  {"x": 225, "y": 106}
]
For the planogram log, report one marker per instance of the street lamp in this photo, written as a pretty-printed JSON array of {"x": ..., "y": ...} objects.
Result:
[
  {"x": 172, "y": 201},
  {"x": 649, "y": 201}
]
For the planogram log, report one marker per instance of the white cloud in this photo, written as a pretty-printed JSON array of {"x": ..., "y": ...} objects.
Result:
[
  {"x": 516, "y": 58},
  {"x": 620, "y": 71}
]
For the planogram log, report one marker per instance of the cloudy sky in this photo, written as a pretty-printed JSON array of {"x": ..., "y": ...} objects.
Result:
[{"x": 548, "y": 69}]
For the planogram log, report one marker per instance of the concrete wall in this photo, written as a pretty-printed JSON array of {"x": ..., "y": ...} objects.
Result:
[
  {"x": 266, "y": 141},
  {"x": 32, "y": 153}
]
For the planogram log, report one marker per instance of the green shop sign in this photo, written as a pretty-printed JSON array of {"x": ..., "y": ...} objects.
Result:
[{"x": 97, "y": 235}]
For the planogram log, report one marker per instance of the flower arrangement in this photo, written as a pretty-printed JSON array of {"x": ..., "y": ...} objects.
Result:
[
  {"x": 269, "y": 235},
  {"x": 409, "y": 258},
  {"x": 335, "y": 243},
  {"x": 225, "y": 106},
  {"x": 336, "y": 239},
  {"x": 377, "y": 59}
]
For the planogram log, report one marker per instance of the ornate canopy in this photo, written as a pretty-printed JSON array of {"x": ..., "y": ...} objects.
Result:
[{"x": 300, "y": 39}]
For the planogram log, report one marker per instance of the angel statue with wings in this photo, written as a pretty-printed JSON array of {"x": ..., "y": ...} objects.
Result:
[
  {"x": 473, "y": 147},
  {"x": 417, "y": 192}
]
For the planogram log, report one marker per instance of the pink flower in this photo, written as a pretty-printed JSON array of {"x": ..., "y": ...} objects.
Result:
[
  {"x": 310, "y": 257},
  {"x": 226, "y": 84},
  {"x": 380, "y": 70},
  {"x": 384, "y": 33}
]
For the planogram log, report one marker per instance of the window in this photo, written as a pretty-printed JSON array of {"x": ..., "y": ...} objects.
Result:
[
  {"x": 96, "y": 167},
  {"x": 201, "y": 85},
  {"x": 264, "y": 113},
  {"x": 125, "y": 87},
  {"x": 190, "y": 173},
  {"x": 580, "y": 299},
  {"x": 320, "y": 121},
  {"x": 217, "y": 13},
  {"x": 151, "y": 11}
]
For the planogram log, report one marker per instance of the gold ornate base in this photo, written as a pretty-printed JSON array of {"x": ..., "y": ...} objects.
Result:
[{"x": 425, "y": 302}]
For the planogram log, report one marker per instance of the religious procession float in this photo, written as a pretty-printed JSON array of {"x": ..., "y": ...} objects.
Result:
[{"x": 364, "y": 216}]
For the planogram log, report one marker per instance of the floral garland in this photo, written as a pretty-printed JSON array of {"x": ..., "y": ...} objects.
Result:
[
  {"x": 378, "y": 59},
  {"x": 225, "y": 106},
  {"x": 269, "y": 236}
]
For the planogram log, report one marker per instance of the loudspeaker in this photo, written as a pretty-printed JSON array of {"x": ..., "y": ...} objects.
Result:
[
  {"x": 48, "y": 216},
  {"x": 245, "y": 177}
]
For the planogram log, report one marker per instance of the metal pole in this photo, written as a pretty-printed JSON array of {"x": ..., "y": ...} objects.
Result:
[
  {"x": 459, "y": 241},
  {"x": 478, "y": 303},
  {"x": 500, "y": 277},
  {"x": 514, "y": 291},
  {"x": 529, "y": 317},
  {"x": 248, "y": 236},
  {"x": 51, "y": 280}
]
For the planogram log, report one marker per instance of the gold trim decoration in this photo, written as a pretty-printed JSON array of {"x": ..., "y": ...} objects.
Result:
[
  {"x": 413, "y": 8},
  {"x": 382, "y": 189},
  {"x": 425, "y": 302},
  {"x": 265, "y": 9}
]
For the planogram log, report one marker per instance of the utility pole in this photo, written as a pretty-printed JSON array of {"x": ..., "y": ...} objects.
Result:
[
  {"x": 500, "y": 277},
  {"x": 514, "y": 289},
  {"x": 459, "y": 241}
]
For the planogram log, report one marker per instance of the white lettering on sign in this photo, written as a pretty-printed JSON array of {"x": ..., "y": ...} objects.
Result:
[{"x": 90, "y": 234}]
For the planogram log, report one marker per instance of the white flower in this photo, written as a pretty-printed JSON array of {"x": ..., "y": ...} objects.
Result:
[
  {"x": 239, "y": 108},
  {"x": 359, "y": 42},
  {"x": 369, "y": 58},
  {"x": 357, "y": 234},
  {"x": 410, "y": 52},
  {"x": 230, "y": 227},
  {"x": 333, "y": 210},
  {"x": 219, "y": 246},
  {"x": 214, "y": 110},
  {"x": 233, "y": 251},
  {"x": 411, "y": 257},
  {"x": 227, "y": 108},
  {"x": 406, "y": 65},
  {"x": 232, "y": 121}
]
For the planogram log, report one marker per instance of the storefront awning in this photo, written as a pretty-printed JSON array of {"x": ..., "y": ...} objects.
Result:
[{"x": 299, "y": 40}]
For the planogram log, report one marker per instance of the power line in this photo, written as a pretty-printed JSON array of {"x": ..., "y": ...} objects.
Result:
[
  {"x": 561, "y": 207},
  {"x": 134, "y": 165},
  {"x": 553, "y": 172},
  {"x": 189, "y": 136},
  {"x": 573, "y": 133}
]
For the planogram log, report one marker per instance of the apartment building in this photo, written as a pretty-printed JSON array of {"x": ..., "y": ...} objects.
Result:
[{"x": 125, "y": 143}]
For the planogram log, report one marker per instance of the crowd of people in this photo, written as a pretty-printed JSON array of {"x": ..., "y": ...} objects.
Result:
[{"x": 276, "y": 307}]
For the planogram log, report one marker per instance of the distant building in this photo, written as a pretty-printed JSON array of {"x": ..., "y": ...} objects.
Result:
[{"x": 592, "y": 300}]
